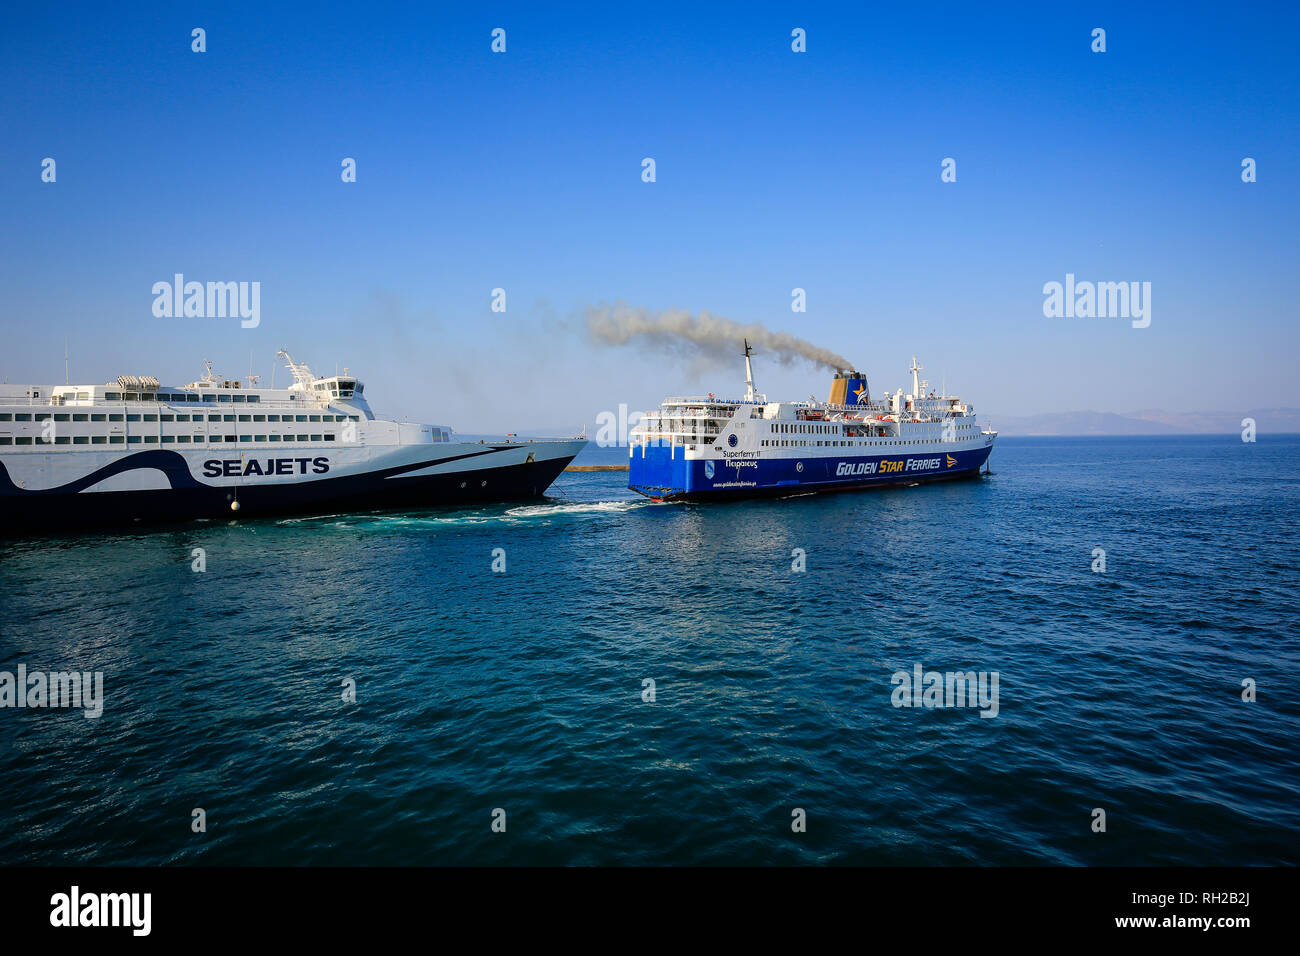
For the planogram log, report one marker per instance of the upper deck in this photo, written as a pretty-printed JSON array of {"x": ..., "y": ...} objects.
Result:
[
  {"x": 141, "y": 410},
  {"x": 921, "y": 416}
]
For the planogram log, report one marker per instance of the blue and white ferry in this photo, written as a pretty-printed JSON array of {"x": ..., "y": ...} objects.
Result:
[{"x": 702, "y": 448}]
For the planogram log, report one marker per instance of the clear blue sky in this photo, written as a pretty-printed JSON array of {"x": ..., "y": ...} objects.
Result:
[{"x": 775, "y": 170}]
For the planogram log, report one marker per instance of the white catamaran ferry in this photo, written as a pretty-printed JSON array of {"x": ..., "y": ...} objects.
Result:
[
  {"x": 708, "y": 448},
  {"x": 137, "y": 450}
]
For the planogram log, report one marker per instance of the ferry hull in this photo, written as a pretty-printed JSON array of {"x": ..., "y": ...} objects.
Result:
[
  {"x": 188, "y": 498},
  {"x": 663, "y": 476}
]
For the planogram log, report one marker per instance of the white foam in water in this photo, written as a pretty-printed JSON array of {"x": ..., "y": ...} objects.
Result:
[
  {"x": 517, "y": 514},
  {"x": 306, "y": 518},
  {"x": 591, "y": 507}
]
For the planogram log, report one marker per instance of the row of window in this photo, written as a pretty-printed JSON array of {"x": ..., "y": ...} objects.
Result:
[
  {"x": 796, "y": 443},
  {"x": 161, "y": 439},
  {"x": 117, "y": 417},
  {"x": 780, "y": 428},
  {"x": 814, "y": 429},
  {"x": 340, "y": 389},
  {"x": 181, "y": 397},
  {"x": 175, "y": 397}
]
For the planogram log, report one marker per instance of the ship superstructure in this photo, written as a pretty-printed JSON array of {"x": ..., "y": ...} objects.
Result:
[
  {"x": 706, "y": 447},
  {"x": 137, "y": 450}
]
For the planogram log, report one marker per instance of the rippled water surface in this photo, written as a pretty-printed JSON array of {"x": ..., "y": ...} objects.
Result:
[{"x": 523, "y": 690}]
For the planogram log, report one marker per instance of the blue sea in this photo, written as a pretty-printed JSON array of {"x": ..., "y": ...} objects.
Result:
[{"x": 770, "y": 733}]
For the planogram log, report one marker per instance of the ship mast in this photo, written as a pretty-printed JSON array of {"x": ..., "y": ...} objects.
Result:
[
  {"x": 749, "y": 373},
  {"x": 916, "y": 382},
  {"x": 301, "y": 373}
]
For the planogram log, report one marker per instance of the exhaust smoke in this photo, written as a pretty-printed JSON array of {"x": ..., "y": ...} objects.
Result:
[{"x": 676, "y": 330}]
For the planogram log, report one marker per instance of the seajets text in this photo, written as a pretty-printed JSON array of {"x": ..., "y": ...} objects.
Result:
[{"x": 234, "y": 468}]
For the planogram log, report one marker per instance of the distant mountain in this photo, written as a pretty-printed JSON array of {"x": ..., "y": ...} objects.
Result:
[
  {"x": 1151, "y": 421},
  {"x": 1147, "y": 422}
]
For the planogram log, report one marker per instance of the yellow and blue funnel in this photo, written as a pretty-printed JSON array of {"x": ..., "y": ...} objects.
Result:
[{"x": 849, "y": 388}]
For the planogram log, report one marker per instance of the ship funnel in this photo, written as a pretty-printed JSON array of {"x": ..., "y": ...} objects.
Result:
[{"x": 849, "y": 388}]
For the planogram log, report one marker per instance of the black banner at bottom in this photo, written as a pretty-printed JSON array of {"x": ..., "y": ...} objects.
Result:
[{"x": 90, "y": 905}]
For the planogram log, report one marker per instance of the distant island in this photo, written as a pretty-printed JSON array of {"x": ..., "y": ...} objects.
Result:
[
  {"x": 1146, "y": 422},
  {"x": 1154, "y": 421}
]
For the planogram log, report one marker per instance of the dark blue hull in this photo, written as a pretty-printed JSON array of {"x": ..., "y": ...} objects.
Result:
[
  {"x": 27, "y": 511},
  {"x": 665, "y": 476}
]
